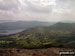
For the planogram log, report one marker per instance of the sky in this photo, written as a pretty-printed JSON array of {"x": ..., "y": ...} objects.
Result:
[{"x": 38, "y": 10}]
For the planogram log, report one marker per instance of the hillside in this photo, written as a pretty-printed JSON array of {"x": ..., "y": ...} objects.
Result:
[{"x": 58, "y": 35}]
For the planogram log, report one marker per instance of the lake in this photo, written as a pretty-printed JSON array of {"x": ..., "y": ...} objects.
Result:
[{"x": 8, "y": 32}]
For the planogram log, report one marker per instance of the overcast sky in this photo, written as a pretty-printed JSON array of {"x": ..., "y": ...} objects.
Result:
[{"x": 41, "y": 10}]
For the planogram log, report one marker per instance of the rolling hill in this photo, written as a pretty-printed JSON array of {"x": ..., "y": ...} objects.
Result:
[{"x": 57, "y": 35}]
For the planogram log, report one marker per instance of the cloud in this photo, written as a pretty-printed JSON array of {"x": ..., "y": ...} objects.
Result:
[
  {"x": 42, "y": 10},
  {"x": 66, "y": 9},
  {"x": 8, "y": 4}
]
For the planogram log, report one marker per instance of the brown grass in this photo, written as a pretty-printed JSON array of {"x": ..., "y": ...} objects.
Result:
[{"x": 32, "y": 52}]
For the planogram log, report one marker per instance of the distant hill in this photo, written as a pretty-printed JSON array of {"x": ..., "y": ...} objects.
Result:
[
  {"x": 23, "y": 25},
  {"x": 57, "y": 35},
  {"x": 4, "y": 21}
]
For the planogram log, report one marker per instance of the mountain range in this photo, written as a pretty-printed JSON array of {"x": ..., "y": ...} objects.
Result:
[{"x": 23, "y": 25}]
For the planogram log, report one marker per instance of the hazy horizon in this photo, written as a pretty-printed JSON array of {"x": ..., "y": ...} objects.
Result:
[{"x": 38, "y": 10}]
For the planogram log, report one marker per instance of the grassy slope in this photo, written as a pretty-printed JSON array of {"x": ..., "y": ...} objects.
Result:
[{"x": 60, "y": 34}]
